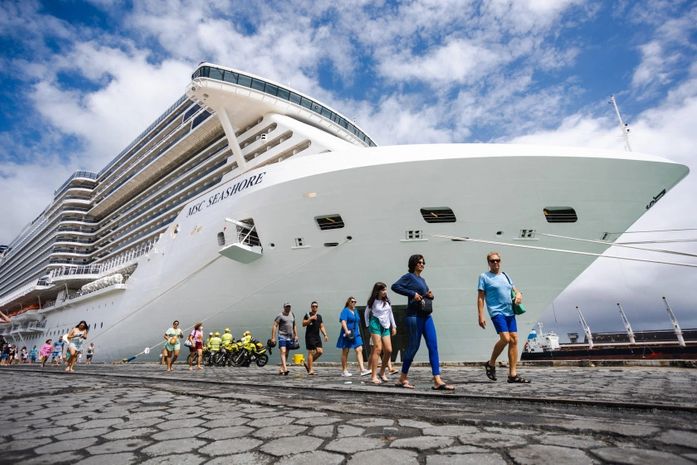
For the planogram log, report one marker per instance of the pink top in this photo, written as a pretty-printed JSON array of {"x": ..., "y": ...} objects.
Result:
[
  {"x": 45, "y": 350},
  {"x": 197, "y": 336}
]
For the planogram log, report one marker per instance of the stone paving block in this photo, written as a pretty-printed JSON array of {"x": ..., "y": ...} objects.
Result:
[
  {"x": 230, "y": 446},
  {"x": 174, "y": 446},
  {"x": 415, "y": 424},
  {"x": 353, "y": 445},
  {"x": 179, "y": 433},
  {"x": 147, "y": 414},
  {"x": 384, "y": 457},
  {"x": 483, "y": 439},
  {"x": 371, "y": 422},
  {"x": 181, "y": 422},
  {"x": 119, "y": 445},
  {"x": 25, "y": 444},
  {"x": 109, "y": 459},
  {"x": 632, "y": 456},
  {"x": 40, "y": 433},
  {"x": 549, "y": 455},
  {"x": 567, "y": 440},
  {"x": 69, "y": 457},
  {"x": 291, "y": 445},
  {"x": 422, "y": 442},
  {"x": 464, "y": 450},
  {"x": 271, "y": 421},
  {"x": 248, "y": 458},
  {"x": 317, "y": 457},
  {"x": 129, "y": 433},
  {"x": 306, "y": 414},
  {"x": 99, "y": 423},
  {"x": 625, "y": 429},
  {"x": 451, "y": 430},
  {"x": 466, "y": 459},
  {"x": 345, "y": 431},
  {"x": 679, "y": 437},
  {"x": 271, "y": 432},
  {"x": 83, "y": 433},
  {"x": 317, "y": 421},
  {"x": 226, "y": 421},
  {"x": 226, "y": 433},
  {"x": 63, "y": 446},
  {"x": 139, "y": 423},
  {"x": 178, "y": 459},
  {"x": 325, "y": 431}
]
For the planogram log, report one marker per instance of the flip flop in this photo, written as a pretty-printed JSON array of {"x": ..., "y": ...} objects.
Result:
[
  {"x": 312, "y": 373},
  {"x": 376, "y": 381},
  {"x": 490, "y": 371},
  {"x": 393, "y": 371},
  {"x": 443, "y": 387},
  {"x": 405, "y": 385}
]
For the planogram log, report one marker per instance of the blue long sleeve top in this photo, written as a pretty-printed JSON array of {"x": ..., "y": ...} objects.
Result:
[{"x": 409, "y": 284}]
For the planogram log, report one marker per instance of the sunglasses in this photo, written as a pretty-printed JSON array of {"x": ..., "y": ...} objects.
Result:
[
  {"x": 496, "y": 260},
  {"x": 352, "y": 301}
]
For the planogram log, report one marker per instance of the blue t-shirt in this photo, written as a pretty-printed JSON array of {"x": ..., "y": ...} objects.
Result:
[{"x": 497, "y": 293}]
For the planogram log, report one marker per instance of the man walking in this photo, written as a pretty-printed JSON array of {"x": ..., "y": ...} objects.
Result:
[
  {"x": 313, "y": 327},
  {"x": 495, "y": 288},
  {"x": 284, "y": 325}
]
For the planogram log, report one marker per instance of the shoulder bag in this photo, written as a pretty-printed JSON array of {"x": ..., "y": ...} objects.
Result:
[{"x": 518, "y": 309}]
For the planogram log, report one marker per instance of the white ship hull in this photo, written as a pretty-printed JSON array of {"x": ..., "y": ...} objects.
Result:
[{"x": 495, "y": 192}]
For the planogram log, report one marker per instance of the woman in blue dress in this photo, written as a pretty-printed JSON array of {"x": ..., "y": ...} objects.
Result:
[
  {"x": 419, "y": 322},
  {"x": 350, "y": 337}
]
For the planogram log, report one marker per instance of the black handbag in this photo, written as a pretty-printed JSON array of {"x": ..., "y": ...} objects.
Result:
[{"x": 423, "y": 307}]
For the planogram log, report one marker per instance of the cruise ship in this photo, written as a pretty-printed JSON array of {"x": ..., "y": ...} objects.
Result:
[{"x": 246, "y": 194}]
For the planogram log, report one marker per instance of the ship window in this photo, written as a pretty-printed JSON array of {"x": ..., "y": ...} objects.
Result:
[
  {"x": 244, "y": 80},
  {"x": 438, "y": 215},
  {"x": 257, "y": 84},
  {"x": 295, "y": 98},
  {"x": 283, "y": 93},
  {"x": 271, "y": 89},
  {"x": 200, "y": 118},
  {"x": 216, "y": 73},
  {"x": 329, "y": 222},
  {"x": 560, "y": 214},
  {"x": 299, "y": 242},
  {"x": 413, "y": 234},
  {"x": 306, "y": 103}
]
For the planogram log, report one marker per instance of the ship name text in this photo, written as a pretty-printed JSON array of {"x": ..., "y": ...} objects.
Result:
[{"x": 225, "y": 193}]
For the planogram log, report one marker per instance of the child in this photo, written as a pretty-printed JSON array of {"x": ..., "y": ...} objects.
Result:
[{"x": 33, "y": 354}]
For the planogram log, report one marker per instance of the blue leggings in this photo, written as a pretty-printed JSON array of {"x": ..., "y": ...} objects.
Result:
[{"x": 417, "y": 327}]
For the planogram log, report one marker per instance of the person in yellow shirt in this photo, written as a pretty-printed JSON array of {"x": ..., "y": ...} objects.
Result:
[
  {"x": 227, "y": 339},
  {"x": 215, "y": 342}
]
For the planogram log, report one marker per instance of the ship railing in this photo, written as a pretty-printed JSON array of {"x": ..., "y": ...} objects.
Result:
[{"x": 97, "y": 270}]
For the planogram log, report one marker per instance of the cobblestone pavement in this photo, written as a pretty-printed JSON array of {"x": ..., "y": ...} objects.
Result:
[{"x": 122, "y": 414}]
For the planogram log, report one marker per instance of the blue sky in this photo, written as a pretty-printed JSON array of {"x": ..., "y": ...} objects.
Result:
[{"x": 80, "y": 79}]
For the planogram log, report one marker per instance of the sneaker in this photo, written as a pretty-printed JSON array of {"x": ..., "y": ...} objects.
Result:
[
  {"x": 346, "y": 374},
  {"x": 365, "y": 372}
]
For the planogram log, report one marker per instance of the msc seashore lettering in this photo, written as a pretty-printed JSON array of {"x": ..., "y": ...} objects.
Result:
[{"x": 224, "y": 194}]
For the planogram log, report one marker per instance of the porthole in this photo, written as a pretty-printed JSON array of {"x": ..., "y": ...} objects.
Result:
[{"x": 438, "y": 215}]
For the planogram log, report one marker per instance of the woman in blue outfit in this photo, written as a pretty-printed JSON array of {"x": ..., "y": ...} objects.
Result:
[
  {"x": 419, "y": 322},
  {"x": 350, "y": 337}
]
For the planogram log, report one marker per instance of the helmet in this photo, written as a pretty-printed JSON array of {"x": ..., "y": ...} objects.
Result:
[
  {"x": 227, "y": 330},
  {"x": 216, "y": 334},
  {"x": 210, "y": 334},
  {"x": 247, "y": 333},
  {"x": 271, "y": 343}
]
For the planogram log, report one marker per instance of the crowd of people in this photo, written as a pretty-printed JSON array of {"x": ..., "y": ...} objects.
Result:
[
  {"x": 67, "y": 350},
  {"x": 496, "y": 293}
]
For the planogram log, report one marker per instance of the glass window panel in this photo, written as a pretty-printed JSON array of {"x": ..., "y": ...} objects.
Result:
[
  {"x": 283, "y": 93},
  {"x": 257, "y": 84},
  {"x": 244, "y": 80},
  {"x": 306, "y": 103},
  {"x": 271, "y": 89},
  {"x": 216, "y": 74},
  {"x": 295, "y": 98}
]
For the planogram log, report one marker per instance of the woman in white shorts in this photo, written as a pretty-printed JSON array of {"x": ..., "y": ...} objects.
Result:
[{"x": 75, "y": 338}]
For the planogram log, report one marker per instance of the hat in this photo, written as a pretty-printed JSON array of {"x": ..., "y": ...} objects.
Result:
[{"x": 286, "y": 304}]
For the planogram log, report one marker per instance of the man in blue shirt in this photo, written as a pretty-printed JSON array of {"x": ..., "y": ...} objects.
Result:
[{"x": 495, "y": 287}]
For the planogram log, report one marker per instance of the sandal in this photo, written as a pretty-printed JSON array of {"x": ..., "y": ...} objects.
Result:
[
  {"x": 384, "y": 378},
  {"x": 490, "y": 371},
  {"x": 443, "y": 387},
  {"x": 518, "y": 379},
  {"x": 375, "y": 381},
  {"x": 404, "y": 385}
]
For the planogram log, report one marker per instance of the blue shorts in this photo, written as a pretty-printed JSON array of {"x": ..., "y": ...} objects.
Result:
[
  {"x": 504, "y": 323},
  {"x": 283, "y": 342}
]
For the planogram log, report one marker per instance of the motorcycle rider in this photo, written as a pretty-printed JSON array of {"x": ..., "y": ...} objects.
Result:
[
  {"x": 227, "y": 339},
  {"x": 215, "y": 342}
]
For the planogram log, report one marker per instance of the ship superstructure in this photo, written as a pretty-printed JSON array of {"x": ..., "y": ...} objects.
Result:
[{"x": 246, "y": 193}]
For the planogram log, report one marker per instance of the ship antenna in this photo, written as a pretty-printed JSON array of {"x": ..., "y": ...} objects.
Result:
[
  {"x": 624, "y": 127},
  {"x": 586, "y": 328},
  {"x": 676, "y": 326},
  {"x": 627, "y": 326}
]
